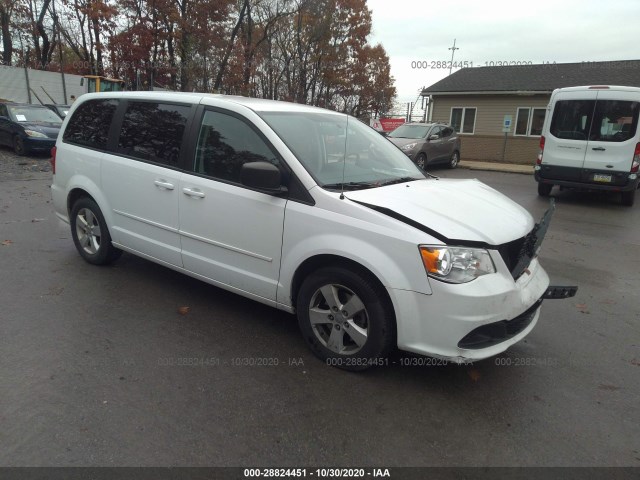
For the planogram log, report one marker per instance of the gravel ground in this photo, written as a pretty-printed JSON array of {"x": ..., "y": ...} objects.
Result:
[{"x": 13, "y": 167}]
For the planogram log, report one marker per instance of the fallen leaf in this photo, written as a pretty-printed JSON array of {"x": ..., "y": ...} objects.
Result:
[
  {"x": 6, "y": 243},
  {"x": 582, "y": 308},
  {"x": 474, "y": 374},
  {"x": 611, "y": 388},
  {"x": 635, "y": 361},
  {"x": 183, "y": 310}
]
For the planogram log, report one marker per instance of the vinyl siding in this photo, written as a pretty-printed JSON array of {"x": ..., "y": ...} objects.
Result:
[{"x": 487, "y": 141}]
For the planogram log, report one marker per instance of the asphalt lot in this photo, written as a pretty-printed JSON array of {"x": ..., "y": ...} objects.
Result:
[{"x": 100, "y": 366}]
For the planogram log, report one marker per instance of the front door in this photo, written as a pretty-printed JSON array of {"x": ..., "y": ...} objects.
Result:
[{"x": 230, "y": 234}]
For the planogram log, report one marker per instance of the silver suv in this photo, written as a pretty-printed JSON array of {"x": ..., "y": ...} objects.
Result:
[{"x": 428, "y": 143}]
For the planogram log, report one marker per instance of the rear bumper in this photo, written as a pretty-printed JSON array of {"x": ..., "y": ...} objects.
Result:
[{"x": 581, "y": 180}]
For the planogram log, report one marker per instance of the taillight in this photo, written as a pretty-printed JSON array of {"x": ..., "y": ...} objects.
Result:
[
  {"x": 53, "y": 160},
  {"x": 635, "y": 165},
  {"x": 539, "y": 160}
]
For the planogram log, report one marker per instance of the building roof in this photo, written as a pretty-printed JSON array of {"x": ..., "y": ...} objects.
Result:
[{"x": 540, "y": 78}]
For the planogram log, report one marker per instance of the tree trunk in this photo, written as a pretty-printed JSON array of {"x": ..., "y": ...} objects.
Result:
[{"x": 7, "y": 44}]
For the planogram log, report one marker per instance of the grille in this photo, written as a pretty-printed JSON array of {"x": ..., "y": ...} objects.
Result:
[
  {"x": 517, "y": 255},
  {"x": 498, "y": 332}
]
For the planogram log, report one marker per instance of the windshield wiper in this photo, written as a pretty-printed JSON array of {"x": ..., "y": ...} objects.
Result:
[
  {"x": 399, "y": 180},
  {"x": 350, "y": 185}
]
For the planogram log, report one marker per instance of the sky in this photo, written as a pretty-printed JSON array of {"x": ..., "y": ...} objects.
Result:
[{"x": 488, "y": 31}]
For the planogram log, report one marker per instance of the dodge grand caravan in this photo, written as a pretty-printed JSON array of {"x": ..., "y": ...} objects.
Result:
[
  {"x": 306, "y": 210},
  {"x": 590, "y": 140}
]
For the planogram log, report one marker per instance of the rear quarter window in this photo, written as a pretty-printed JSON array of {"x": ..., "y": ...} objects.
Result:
[{"x": 90, "y": 123}]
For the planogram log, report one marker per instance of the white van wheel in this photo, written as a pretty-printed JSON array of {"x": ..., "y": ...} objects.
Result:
[
  {"x": 90, "y": 233},
  {"x": 628, "y": 198},
  {"x": 544, "y": 189}
]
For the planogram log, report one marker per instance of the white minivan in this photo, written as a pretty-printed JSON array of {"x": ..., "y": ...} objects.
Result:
[
  {"x": 307, "y": 210},
  {"x": 590, "y": 140}
]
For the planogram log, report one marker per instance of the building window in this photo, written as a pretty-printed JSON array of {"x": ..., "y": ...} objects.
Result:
[
  {"x": 463, "y": 120},
  {"x": 529, "y": 121}
]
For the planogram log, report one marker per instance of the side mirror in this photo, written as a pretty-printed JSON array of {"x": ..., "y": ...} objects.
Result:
[
  {"x": 262, "y": 176},
  {"x": 434, "y": 137}
]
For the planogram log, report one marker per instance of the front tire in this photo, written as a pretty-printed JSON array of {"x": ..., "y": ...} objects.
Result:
[
  {"x": 421, "y": 161},
  {"x": 346, "y": 318},
  {"x": 544, "y": 189},
  {"x": 18, "y": 146},
  {"x": 90, "y": 233}
]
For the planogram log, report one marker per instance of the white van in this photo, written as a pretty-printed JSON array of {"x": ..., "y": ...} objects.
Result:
[
  {"x": 307, "y": 210},
  {"x": 590, "y": 140}
]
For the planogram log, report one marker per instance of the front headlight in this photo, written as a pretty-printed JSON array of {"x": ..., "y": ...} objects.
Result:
[
  {"x": 409, "y": 146},
  {"x": 456, "y": 264},
  {"x": 34, "y": 134}
]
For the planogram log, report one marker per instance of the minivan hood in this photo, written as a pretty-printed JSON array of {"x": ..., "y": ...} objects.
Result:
[{"x": 455, "y": 211}]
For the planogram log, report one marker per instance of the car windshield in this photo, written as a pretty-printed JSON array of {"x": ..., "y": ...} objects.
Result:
[
  {"x": 340, "y": 152},
  {"x": 33, "y": 115},
  {"x": 62, "y": 110},
  {"x": 410, "y": 131}
]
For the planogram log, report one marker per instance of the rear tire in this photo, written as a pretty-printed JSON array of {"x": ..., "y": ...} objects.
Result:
[
  {"x": 453, "y": 161},
  {"x": 628, "y": 198},
  {"x": 544, "y": 189},
  {"x": 90, "y": 233},
  {"x": 346, "y": 318}
]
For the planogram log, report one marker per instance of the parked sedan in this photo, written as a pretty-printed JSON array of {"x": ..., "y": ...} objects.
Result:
[
  {"x": 428, "y": 143},
  {"x": 28, "y": 128}
]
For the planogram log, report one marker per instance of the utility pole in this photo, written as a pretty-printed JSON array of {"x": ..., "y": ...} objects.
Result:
[
  {"x": 453, "y": 52},
  {"x": 56, "y": 26}
]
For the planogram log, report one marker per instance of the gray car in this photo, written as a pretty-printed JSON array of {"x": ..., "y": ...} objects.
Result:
[{"x": 428, "y": 143}]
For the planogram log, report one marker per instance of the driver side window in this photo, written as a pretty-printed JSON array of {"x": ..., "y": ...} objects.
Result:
[
  {"x": 435, "y": 131},
  {"x": 225, "y": 143}
]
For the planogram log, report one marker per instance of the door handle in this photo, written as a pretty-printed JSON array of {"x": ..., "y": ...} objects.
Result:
[
  {"x": 598, "y": 149},
  {"x": 193, "y": 193},
  {"x": 164, "y": 184}
]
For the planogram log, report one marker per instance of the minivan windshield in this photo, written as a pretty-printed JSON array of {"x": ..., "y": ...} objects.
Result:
[
  {"x": 23, "y": 114},
  {"x": 342, "y": 152},
  {"x": 410, "y": 131}
]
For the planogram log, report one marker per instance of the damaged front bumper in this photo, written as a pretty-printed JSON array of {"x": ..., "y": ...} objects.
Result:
[{"x": 482, "y": 318}]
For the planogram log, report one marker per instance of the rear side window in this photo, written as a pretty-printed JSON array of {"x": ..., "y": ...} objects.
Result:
[
  {"x": 90, "y": 124},
  {"x": 153, "y": 131}
]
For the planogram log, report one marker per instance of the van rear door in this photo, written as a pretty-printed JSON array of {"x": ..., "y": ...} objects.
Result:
[
  {"x": 566, "y": 145},
  {"x": 613, "y": 137}
]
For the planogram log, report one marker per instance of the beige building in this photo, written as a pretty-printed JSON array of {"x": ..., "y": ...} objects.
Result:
[{"x": 499, "y": 111}]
